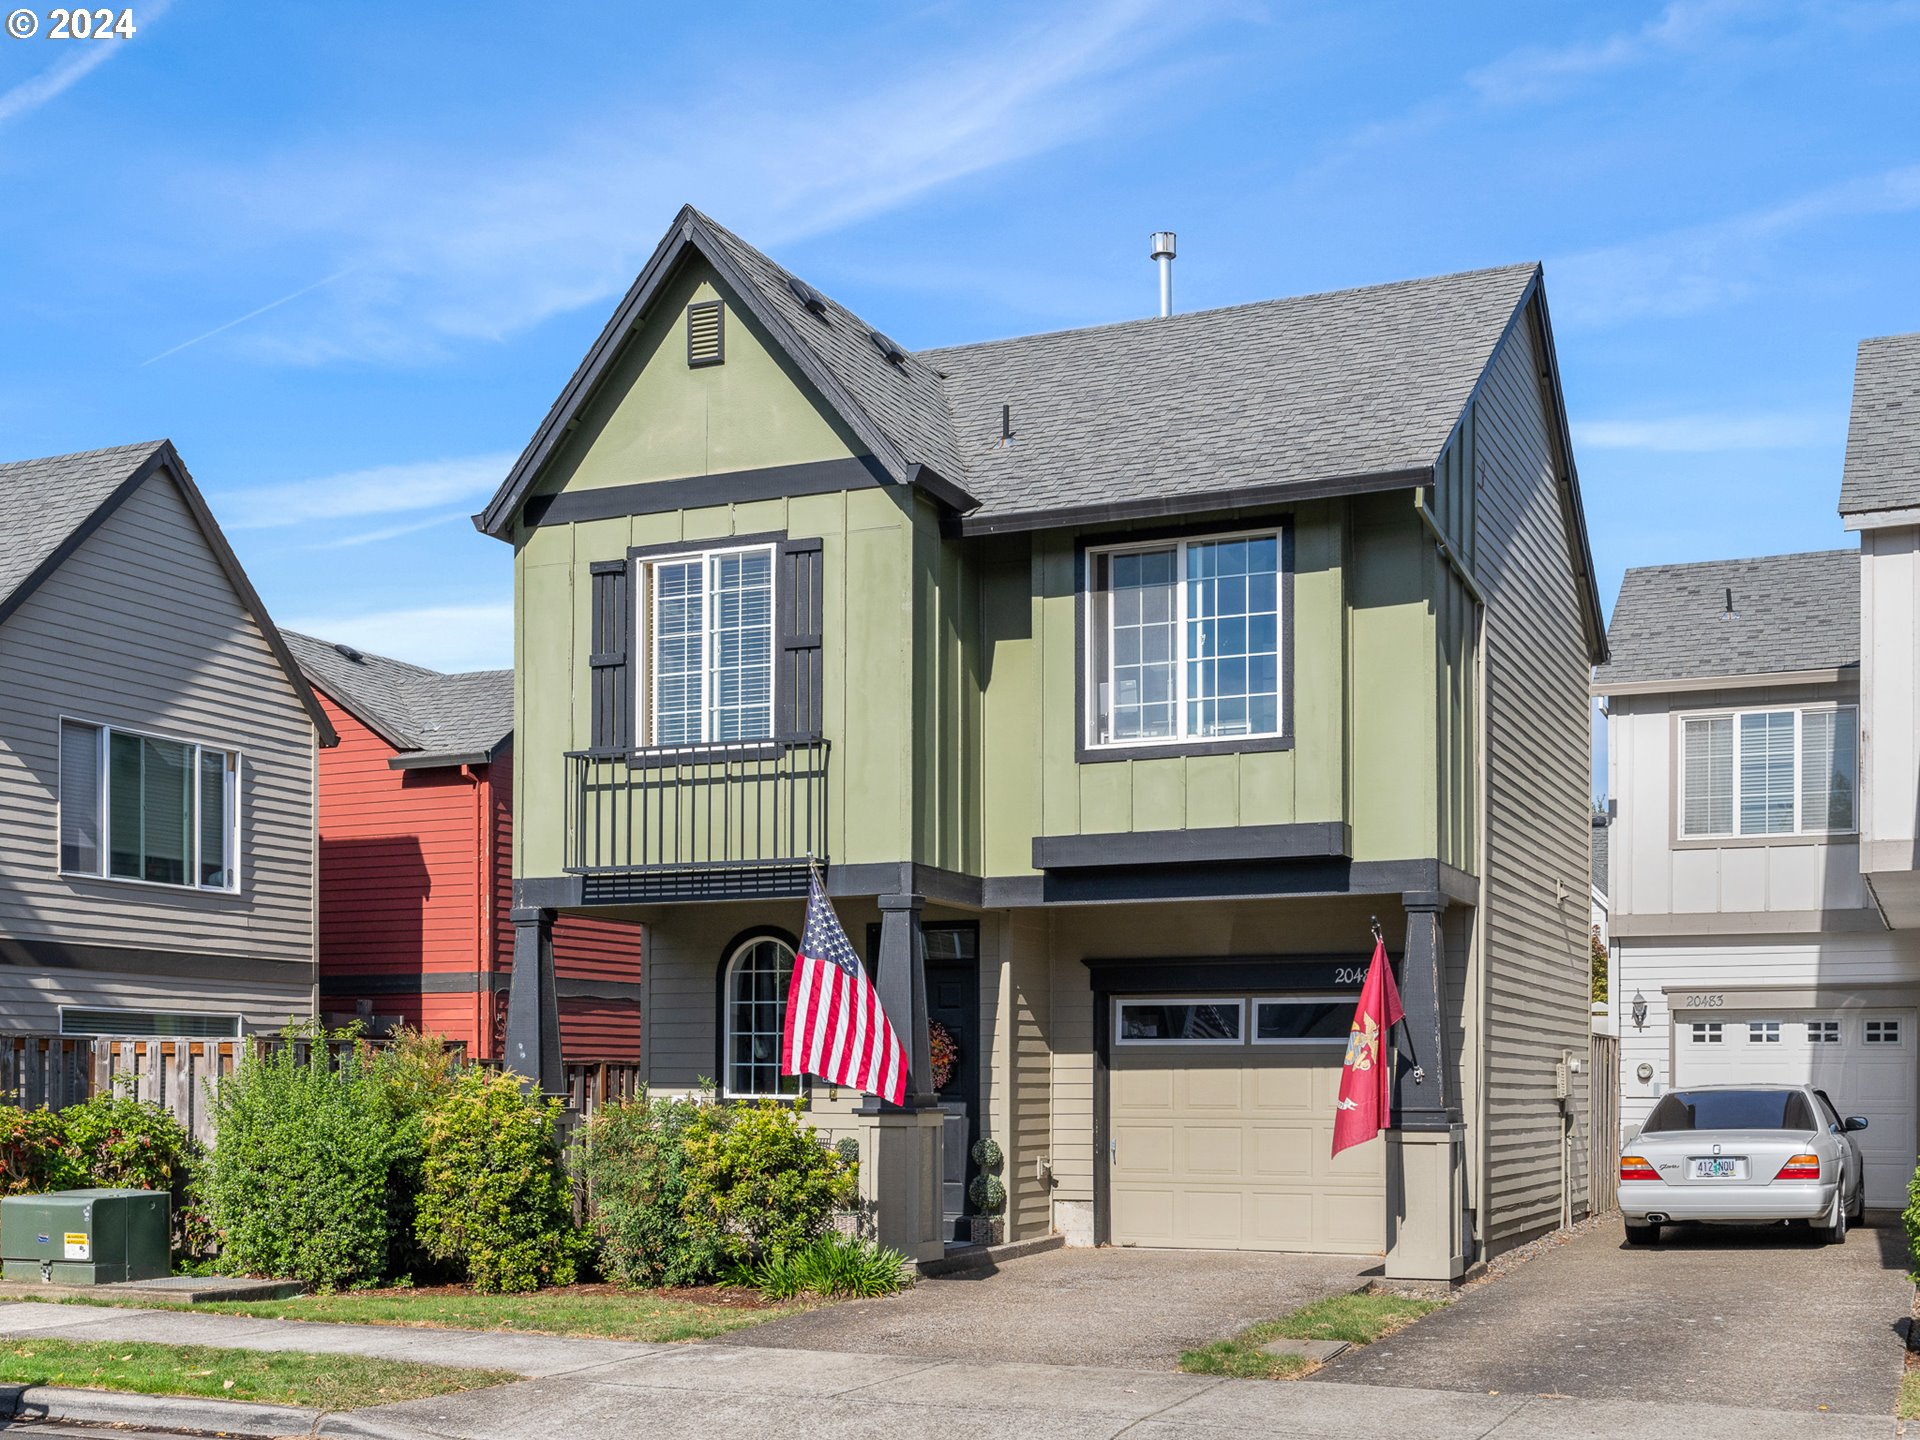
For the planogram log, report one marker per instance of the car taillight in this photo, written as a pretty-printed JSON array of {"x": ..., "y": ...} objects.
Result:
[
  {"x": 1800, "y": 1167},
  {"x": 1632, "y": 1167}
]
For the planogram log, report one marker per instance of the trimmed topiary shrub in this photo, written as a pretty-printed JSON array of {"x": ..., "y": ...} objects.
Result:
[
  {"x": 633, "y": 1159},
  {"x": 494, "y": 1200},
  {"x": 298, "y": 1182},
  {"x": 988, "y": 1194},
  {"x": 759, "y": 1181},
  {"x": 987, "y": 1154}
]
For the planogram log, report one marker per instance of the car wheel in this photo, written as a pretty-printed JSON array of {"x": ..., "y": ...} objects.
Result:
[
  {"x": 1834, "y": 1232},
  {"x": 1642, "y": 1234},
  {"x": 1859, "y": 1213}
]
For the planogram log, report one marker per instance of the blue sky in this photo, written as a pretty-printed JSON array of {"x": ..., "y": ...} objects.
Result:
[{"x": 346, "y": 254}]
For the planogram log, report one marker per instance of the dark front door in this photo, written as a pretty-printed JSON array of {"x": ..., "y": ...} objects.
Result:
[{"x": 953, "y": 1004}]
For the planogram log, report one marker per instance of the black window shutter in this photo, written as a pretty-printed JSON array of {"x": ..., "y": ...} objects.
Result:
[
  {"x": 799, "y": 677},
  {"x": 610, "y": 662}
]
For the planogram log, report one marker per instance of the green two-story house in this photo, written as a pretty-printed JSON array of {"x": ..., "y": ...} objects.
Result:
[{"x": 1116, "y": 680}]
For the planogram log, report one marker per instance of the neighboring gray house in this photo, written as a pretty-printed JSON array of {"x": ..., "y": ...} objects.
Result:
[
  {"x": 157, "y": 763},
  {"x": 1746, "y": 944}
]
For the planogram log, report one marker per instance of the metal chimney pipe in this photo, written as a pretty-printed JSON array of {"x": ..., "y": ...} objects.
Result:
[{"x": 1164, "y": 242}]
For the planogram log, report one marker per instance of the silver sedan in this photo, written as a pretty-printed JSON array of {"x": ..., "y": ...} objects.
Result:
[{"x": 1744, "y": 1154}]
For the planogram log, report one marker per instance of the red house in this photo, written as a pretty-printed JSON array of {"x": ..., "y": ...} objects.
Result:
[{"x": 416, "y": 864}]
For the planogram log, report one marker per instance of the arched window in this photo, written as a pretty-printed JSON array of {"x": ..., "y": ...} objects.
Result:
[{"x": 754, "y": 1019}]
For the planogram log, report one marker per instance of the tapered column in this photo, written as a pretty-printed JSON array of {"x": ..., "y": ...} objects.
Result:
[
  {"x": 1426, "y": 1148},
  {"x": 533, "y": 1004},
  {"x": 1421, "y": 1098},
  {"x": 903, "y": 989}
]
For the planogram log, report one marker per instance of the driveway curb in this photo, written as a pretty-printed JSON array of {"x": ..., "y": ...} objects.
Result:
[{"x": 183, "y": 1412}]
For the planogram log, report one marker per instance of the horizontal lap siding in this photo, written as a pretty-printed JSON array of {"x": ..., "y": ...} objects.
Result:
[
  {"x": 599, "y": 1030},
  {"x": 1537, "y": 852},
  {"x": 140, "y": 627},
  {"x": 1029, "y": 1138}
]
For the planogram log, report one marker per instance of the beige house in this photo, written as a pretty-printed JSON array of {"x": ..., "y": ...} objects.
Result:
[{"x": 1118, "y": 679}]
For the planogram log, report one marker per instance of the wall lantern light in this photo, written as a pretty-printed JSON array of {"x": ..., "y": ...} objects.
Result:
[{"x": 1639, "y": 1011}]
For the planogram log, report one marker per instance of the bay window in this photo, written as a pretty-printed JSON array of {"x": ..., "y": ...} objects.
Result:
[
  {"x": 140, "y": 807},
  {"x": 707, "y": 622},
  {"x": 1789, "y": 771},
  {"x": 1184, "y": 641}
]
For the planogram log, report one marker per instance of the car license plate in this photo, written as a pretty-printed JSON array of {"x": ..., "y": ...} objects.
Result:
[{"x": 1719, "y": 1167}]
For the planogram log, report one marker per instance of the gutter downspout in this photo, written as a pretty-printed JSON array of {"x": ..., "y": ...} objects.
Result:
[{"x": 1479, "y": 993}]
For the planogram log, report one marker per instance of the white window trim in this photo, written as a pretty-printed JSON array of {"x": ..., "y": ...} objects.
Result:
[
  {"x": 1223, "y": 1002},
  {"x": 1090, "y": 722},
  {"x": 238, "y": 1027},
  {"x": 644, "y": 726},
  {"x": 1734, "y": 713},
  {"x": 104, "y": 773},
  {"x": 1253, "y": 1029},
  {"x": 727, "y": 1092}
]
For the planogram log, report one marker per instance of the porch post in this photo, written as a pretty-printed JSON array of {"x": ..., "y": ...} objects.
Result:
[
  {"x": 1426, "y": 1147},
  {"x": 533, "y": 1003},
  {"x": 907, "y": 1164}
]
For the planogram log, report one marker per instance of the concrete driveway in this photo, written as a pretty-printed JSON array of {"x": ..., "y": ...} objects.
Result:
[
  {"x": 1130, "y": 1309},
  {"x": 1726, "y": 1317}
]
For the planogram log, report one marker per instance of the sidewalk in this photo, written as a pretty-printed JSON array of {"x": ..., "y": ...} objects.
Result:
[{"x": 599, "y": 1390}]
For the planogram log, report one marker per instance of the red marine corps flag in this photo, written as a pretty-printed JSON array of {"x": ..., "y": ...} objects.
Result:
[
  {"x": 835, "y": 1026},
  {"x": 1366, "y": 1082}
]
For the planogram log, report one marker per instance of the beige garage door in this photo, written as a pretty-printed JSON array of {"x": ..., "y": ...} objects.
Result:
[{"x": 1220, "y": 1111}]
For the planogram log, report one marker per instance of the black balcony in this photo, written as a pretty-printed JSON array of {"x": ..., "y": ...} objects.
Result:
[{"x": 718, "y": 823}]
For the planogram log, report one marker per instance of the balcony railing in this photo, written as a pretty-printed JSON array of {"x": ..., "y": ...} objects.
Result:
[{"x": 720, "y": 822}]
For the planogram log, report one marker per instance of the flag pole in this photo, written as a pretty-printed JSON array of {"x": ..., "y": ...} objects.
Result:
[{"x": 1400, "y": 1029}]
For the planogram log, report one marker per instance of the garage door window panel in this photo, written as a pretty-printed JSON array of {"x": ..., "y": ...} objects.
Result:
[
  {"x": 1303, "y": 1020},
  {"x": 1178, "y": 1022}
]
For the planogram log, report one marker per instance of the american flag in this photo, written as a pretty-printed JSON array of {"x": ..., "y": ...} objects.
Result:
[{"x": 835, "y": 1026}]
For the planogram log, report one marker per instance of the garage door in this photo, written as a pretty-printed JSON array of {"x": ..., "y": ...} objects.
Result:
[
  {"x": 1220, "y": 1111},
  {"x": 1863, "y": 1059}
]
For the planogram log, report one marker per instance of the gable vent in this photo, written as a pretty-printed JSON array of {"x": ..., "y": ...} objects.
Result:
[
  {"x": 895, "y": 355},
  {"x": 706, "y": 334},
  {"x": 808, "y": 296}
]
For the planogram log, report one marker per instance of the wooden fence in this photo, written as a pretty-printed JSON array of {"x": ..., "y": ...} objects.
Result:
[
  {"x": 1603, "y": 1128},
  {"x": 61, "y": 1070}
]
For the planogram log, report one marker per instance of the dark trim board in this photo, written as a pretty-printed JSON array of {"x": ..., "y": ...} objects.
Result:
[
  {"x": 471, "y": 982},
  {"x": 733, "y": 487},
  {"x": 1318, "y": 840},
  {"x": 157, "y": 963}
]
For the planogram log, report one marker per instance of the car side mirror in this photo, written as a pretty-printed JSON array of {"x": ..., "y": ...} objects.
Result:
[{"x": 1855, "y": 1122}]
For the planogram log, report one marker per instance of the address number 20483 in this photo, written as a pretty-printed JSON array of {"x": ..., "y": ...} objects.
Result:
[{"x": 1708, "y": 1001}]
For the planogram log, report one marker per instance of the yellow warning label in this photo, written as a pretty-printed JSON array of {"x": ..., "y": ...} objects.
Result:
[{"x": 76, "y": 1246}]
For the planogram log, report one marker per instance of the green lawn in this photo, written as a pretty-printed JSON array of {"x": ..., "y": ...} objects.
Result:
[
  {"x": 598, "y": 1311},
  {"x": 1356, "y": 1319},
  {"x": 323, "y": 1382},
  {"x": 1909, "y": 1408}
]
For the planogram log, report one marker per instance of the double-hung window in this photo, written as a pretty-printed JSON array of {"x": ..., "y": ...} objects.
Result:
[
  {"x": 707, "y": 621},
  {"x": 1769, "y": 772},
  {"x": 140, "y": 807},
  {"x": 1184, "y": 641}
]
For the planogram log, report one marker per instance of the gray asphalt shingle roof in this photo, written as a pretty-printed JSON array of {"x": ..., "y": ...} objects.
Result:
[
  {"x": 1790, "y": 613},
  {"x": 426, "y": 713},
  {"x": 44, "y": 501},
  {"x": 1882, "y": 470}
]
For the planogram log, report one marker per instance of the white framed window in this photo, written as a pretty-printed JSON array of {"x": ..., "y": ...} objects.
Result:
[
  {"x": 1823, "y": 1032},
  {"x": 1184, "y": 640},
  {"x": 1706, "y": 1032},
  {"x": 1203, "y": 1021},
  {"x": 706, "y": 671},
  {"x": 1791, "y": 771},
  {"x": 754, "y": 1020},
  {"x": 1883, "y": 1032},
  {"x": 148, "y": 808},
  {"x": 1763, "y": 1032},
  {"x": 1303, "y": 1020},
  {"x": 149, "y": 1024}
]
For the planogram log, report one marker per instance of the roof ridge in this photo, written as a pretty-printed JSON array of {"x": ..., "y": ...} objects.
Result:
[
  {"x": 1271, "y": 302},
  {"x": 1742, "y": 560},
  {"x": 140, "y": 447},
  {"x": 364, "y": 653}
]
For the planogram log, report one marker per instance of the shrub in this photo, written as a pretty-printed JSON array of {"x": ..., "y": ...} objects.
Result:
[
  {"x": 416, "y": 1072},
  {"x": 759, "y": 1182},
  {"x": 494, "y": 1198},
  {"x": 33, "y": 1152},
  {"x": 633, "y": 1159},
  {"x": 832, "y": 1266},
  {"x": 116, "y": 1140},
  {"x": 1910, "y": 1217},
  {"x": 987, "y": 1154},
  {"x": 298, "y": 1182},
  {"x": 988, "y": 1194}
]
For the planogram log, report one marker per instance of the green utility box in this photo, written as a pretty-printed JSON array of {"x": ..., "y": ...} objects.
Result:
[{"x": 85, "y": 1237}]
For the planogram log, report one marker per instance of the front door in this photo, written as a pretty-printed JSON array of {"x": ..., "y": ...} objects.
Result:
[{"x": 953, "y": 1006}]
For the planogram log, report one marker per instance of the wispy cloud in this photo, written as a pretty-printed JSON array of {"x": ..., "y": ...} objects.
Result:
[
  {"x": 238, "y": 320},
  {"x": 1704, "y": 433},
  {"x": 501, "y": 242},
  {"x": 442, "y": 637},
  {"x": 1535, "y": 73},
  {"x": 78, "y": 61},
  {"x": 1685, "y": 271},
  {"x": 383, "y": 490}
]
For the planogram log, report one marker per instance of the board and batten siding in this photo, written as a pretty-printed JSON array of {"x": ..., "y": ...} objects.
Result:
[
  {"x": 1536, "y": 853},
  {"x": 141, "y": 628}
]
